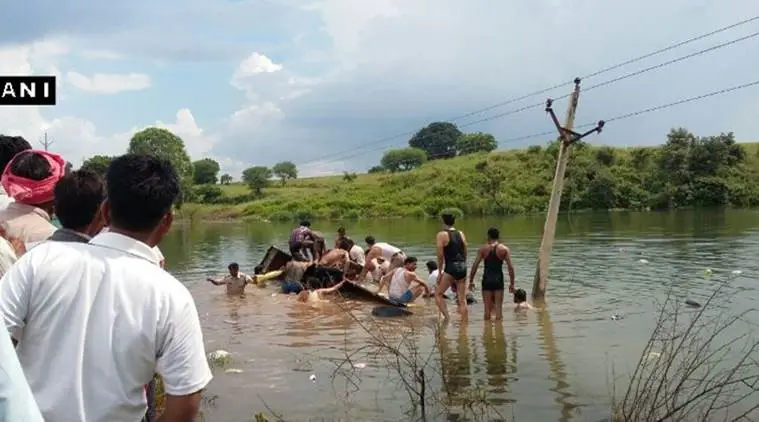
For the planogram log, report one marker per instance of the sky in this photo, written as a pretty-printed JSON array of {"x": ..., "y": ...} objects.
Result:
[{"x": 331, "y": 84}]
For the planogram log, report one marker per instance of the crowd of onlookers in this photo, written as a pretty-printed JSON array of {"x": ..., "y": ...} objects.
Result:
[{"x": 91, "y": 314}]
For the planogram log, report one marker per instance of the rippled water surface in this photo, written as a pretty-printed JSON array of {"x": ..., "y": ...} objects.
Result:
[{"x": 550, "y": 366}]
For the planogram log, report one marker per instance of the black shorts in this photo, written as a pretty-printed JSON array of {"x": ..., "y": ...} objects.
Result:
[
  {"x": 457, "y": 270},
  {"x": 492, "y": 284}
]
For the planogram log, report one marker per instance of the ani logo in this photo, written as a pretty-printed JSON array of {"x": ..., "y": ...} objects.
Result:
[{"x": 27, "y": 90}]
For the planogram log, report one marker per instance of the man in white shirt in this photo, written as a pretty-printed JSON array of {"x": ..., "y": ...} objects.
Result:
[
  {"x": 101, "y": 318},
  {"x": 16, "y": 400}
]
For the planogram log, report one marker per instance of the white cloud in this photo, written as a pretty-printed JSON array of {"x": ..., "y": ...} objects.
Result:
[
  {"x": 102, "y": 83},
  {"x": 197, "y": 142},
  {"x": 255, "y": 64},
  {"x": 94, "y": 54}
]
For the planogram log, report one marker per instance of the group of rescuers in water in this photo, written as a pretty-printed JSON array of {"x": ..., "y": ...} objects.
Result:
[{"x": 391, "y": 268}]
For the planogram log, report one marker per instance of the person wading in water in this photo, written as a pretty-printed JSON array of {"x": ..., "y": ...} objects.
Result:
[
  {"x": 494, "y": 254},
  {"x": 451, "y": 257}
]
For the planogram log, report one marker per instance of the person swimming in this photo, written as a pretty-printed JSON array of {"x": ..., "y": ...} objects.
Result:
[
  {"x": 520, "y": 300},
  {"x": 318, "y": 295}
]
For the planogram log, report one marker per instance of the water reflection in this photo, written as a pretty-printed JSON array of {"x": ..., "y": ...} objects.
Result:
[
  {"x": 455, "y": 363},
  {"x": 499, "y": 363},
  {"x": 556, "y": 367}
]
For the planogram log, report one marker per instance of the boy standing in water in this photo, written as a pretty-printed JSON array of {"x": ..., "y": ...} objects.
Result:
[
  {"x": 235, "y": 280},
  {"x": 494, "y": 254},
  {"x": 451, "y": 259}
]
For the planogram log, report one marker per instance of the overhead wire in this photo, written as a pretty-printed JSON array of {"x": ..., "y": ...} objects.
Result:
[
  {"x": 320, "y": 160},
  {"x": 379, "y": 145}
]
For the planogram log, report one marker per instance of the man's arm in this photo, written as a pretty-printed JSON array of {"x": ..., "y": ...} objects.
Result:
[
  {"x": 475, "y": 267},
  {"x": 440, "y": 241},
  {"x": 415, "y": 279},
  {"x": 215, "y": 282},
  {"x": 463, "y": 243},
  {"x": 510, "y": 268},
  {"x": 16, "y": 287},
  {"x": 18, "y": 403},
  {"x": 332, "y": 289},
  {"x": 182, "y": 359}
]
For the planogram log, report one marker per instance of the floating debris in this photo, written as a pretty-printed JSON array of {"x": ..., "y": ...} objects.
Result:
[
  {"x": 312, "y": 378},
  {"x": 643, "y": 261},
  {"x": 737, "y": 272},
  {"x": 653, "y": 355},
  {"x": 233, "y": 371},
  {"x": 617, "y": 317},
  {"x": 359, "y": 365},
  {"x": 708, "y": 272},
  {"x": 231, "y": 321},
  {"x": 220, "y": 357},
  {"x": 692, "y": 303}
]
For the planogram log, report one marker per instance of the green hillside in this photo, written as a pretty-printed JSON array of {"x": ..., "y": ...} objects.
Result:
[{"x": 686, "y": 172}]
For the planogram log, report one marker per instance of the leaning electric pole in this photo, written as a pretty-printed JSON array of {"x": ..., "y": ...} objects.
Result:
[
  {"x": 45, "y": 142},
  {"x": 567, "y": 137}
]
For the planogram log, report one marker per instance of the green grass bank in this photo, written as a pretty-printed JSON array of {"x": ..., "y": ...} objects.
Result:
[{"x": 685, "y": 172}]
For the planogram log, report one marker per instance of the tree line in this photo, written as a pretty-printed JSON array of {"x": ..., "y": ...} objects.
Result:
[
  {"x": 199, "y": 178},
  {"x": 436, "y": 141}
]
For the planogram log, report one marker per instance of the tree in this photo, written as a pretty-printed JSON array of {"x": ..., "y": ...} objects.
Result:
[
  {"x": 403, "y": 159},
  {"x": 376, "y": 169},
  {"x": 257, "y": 178},
  {"x": 225, "y": 179},
  {"x": 349, "y": 176},
  {"x": 208, "y": 193},
  {"x": 164, "y": 144},
  {"x": 469, "y": 143},
  {"x": 205, "y": 172},
  {"x": 438, "y": 140},
  {"x": 285, "y": 170},
  {"x": 98, "y": 164}
]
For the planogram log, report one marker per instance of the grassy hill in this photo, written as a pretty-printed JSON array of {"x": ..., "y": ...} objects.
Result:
[{"x": 513, "y": 182}]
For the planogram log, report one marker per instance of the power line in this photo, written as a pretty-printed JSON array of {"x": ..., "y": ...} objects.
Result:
[
  {"x": 643, "y": 111},
  {"x": 545, "y": 90},
  {"x": 382, "y": 144}
]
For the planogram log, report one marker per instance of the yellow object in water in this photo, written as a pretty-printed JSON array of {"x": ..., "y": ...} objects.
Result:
[
  {"x": 271, "y": 275},
  {"x": 708, "y": 272}
]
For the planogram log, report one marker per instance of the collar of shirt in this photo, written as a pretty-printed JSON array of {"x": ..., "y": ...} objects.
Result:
[
  {"x": 68, "y": 235},
  {"x": 126, "y": 244}
]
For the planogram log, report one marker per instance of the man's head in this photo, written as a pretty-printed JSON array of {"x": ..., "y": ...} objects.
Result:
[
  {"x": 448, "y": 219},
  {"x": 370, "y": 241},
  {"x": 520, "y": 296},
  {"x": 259, "y": 269},
  {"x": 493, "y": 233},
  {"x": 141, "y": 191},
  {"x": 345, "y": 244},
  {"x": 10, "y": 146},
  {"x": 410, "y": 263},
  {"x": 431, "y": 266},
  {"x": 78, "y": 197},
  {"x": 302, "y": 296},
  {"x": 234, "y": 269},
  {"x": 305, "y": 223},
  {"x": 341, "y": 231},
  {"x": 31, "y": 176}
]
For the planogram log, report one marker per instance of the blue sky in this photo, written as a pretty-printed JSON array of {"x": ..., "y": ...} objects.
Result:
[{"x": 253, "y": 82}]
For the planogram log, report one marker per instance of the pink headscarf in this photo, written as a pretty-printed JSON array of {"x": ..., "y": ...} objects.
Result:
[{"x": 34, "y": 192}]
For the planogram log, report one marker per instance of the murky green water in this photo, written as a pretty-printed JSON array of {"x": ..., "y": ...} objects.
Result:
[{"x": 548, "y": 366}]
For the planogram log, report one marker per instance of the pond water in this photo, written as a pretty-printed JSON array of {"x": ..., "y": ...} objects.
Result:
[{"x": 555, "y": 365}]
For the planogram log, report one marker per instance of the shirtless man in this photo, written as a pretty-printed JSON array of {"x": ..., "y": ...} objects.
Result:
[
  {"x": 355, "y": 252},
  {"x": 383, "y": 250},
  {"x": 235, "y": 280},
  {"x": 336, "y": 258},
  {"x": 318, "y": 295},
  {"x": 451, "y": 258}
]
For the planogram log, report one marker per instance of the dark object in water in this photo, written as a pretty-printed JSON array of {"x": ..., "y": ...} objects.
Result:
[
  {"x": 318, "y": 277},
  {"x": 692, "y": 303},
  {"x": 470, "y": 299},
  {"x": 390, "y": 311}
]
